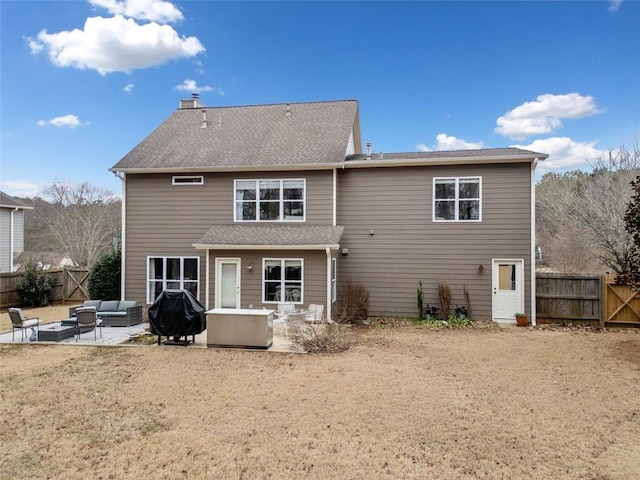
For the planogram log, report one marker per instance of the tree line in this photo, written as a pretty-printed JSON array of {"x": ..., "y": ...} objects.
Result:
[
  {"x": 585, "y": 221},
  {"x": 80, "y": 221}
]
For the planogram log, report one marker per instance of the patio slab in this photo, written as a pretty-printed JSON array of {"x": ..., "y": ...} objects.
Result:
[{"x": 119, "y": 335}]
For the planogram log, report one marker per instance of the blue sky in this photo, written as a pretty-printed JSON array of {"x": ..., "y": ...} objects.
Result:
[{"x": 82, "y": 82}]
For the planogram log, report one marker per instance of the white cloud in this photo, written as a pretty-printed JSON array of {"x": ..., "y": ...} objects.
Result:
[
  {"x": 153, "y": 10},
  {"x": 70, "y": 121},
  {"x": 192, "y": 86},
  {"x": 544, "y": 115},
  {"x": 564, "y": 153},
  {"x": 21, "y": 188},
  {"x": 115, "y": 44},
  {"x": 34, "y": 46},
  {"x": 448, "y": 142},
  {"x": 128, "y": 88},
  {"x": 614, "y": 5}
]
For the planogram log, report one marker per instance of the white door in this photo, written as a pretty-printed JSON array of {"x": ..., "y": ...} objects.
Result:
[
  {"x": 508, "y": 289},
  {"x": 227, "y": 283}
]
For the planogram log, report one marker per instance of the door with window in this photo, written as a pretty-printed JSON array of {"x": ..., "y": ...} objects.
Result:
[
  {"x": 227, "y": 283},
  {"x": 508, "y": 289}
]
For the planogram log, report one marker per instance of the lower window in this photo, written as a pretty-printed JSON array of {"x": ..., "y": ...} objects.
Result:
[
  {"x": 282, "y": 280},
  {"x": 172, "y": 273}
]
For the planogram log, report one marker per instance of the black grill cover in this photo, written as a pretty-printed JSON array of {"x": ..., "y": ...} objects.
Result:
[{"x": 177, "y": 313}]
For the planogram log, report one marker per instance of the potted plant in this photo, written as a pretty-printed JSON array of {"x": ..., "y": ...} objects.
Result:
[{"x": 521, "y": 319}]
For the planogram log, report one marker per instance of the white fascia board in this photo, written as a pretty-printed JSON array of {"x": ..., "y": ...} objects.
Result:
[
  {"x": 253, "y": 168},
  {"x": 209, "y": 246},
  {"x": 420, "y": 162}
]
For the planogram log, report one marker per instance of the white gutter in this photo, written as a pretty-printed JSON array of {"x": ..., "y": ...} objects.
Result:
[
  {"x": 387, "y": 161},
  {"x": 328, "y": 250},
  {"x": 206, "y": 246},
  {"x": 11, "y": 241},
  {"x": 335, "y": 198},
  {"x": 207, "y": 280}
]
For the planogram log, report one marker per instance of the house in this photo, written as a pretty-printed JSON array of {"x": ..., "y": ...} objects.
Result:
[
  {"x": 45, "y": 260},
  {"x": 11, "y": 230},
  {"x": 248, "y": 206}
]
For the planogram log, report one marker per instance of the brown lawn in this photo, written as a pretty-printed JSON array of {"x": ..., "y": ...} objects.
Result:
[{"x": 404, "y": 403}]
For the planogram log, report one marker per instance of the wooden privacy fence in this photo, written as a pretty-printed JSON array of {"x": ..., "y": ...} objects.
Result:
[
  {"x": 622, "y": 305},
  {"x": 562, "y": 298},
  {"x": 585, "y": 300},
  {"x": 68, "y": 285}
]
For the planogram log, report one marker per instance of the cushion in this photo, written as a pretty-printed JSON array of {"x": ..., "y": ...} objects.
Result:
[
  {"x": 92, "y": 303},
  {"x": 124, "y": 304},
  {"x": 109, "y": 306}
]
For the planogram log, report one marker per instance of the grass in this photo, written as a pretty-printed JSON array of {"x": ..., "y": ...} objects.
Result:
[{"x": 404, "y": 402}]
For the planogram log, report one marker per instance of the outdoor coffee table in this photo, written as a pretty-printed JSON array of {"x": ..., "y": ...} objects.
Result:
[{"x": 55, "y": 332}]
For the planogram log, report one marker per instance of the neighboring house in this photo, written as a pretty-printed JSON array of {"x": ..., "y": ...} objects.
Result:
[
  {"x": 11, "y": 231},
  {"x": 45, "y": 260},
  {"x": 248, "y": 206}
]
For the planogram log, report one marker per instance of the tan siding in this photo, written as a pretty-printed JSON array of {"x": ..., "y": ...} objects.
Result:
[
  {"x": 164, "y": 219},
  {"x": 407, "y": 246},
  {"x": 314, "y": 282}
]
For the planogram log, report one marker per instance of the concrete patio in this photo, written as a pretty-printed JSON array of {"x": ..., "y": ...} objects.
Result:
[{"x": 112, "y": 336}]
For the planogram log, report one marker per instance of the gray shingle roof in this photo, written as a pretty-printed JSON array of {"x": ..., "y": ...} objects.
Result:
[
  {"x": 277, "y": 135},
  {"x": 320, "y": 236},
  {"x": 9, "y": 201}
]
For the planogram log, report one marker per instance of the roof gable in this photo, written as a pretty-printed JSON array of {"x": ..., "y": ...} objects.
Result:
[{"x": 277, "y": 135}]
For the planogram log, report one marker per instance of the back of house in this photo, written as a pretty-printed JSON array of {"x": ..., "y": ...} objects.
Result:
[{"x": 251, "y": 206}]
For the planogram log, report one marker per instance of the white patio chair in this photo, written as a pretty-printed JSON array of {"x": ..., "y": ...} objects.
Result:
[
  {"x": 282, "y": 313},
  {"x": 19, "y": 320},
  {"x": 315, "y": 313}
]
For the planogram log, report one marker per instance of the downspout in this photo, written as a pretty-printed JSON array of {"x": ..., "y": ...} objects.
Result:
[
  {"x": 207, "y": 279},
  {"x": 328, "y": 250},
  {"x": 533, "y": 241},
  {"x": 335, "y": 199},
  {"x": 12, "y": 241},
  {"x": 123, "y": 236}
]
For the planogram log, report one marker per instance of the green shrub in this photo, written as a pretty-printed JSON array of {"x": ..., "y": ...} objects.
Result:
[
  {"x": 104, "y": 279},
  {"x": 35, "y": 286}
]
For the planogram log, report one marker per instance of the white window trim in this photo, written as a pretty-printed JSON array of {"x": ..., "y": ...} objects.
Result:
[
  {"x": 457, "y": 199},
  {"x": 282, "y": 280},
  {"x": 281, "y": 201},
  {"x": 187, "y": 180},
  {"x": 164, "y": 280}
]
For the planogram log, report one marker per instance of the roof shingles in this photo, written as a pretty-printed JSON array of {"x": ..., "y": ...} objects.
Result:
[
  {"x": 277, "y": 135},
  {"x": 320, "y": 236}
]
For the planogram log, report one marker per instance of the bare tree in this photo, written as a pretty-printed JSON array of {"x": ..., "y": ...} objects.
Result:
[
  {"x": 82, "y": 220},
  {"x": 580, "y": 215}
]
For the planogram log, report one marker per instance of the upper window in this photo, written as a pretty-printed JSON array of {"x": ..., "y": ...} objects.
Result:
[
  {"x": 457, "y": 199},
  {"x": 187, "y": 180},
  {"x": 172, "y": 273},
  {"x": 282, "y": 280},
  {"x": 270, "y": 200}
]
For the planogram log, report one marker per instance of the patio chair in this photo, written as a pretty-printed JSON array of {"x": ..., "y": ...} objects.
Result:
[
  {"x": 282, "y": 313},
  {"x": 19, "y": 320},
  {"x": 315, "y": 313},
  {"x": 87, "y": 317}
]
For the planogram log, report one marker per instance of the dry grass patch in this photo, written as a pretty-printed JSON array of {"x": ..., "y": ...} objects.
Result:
[{"x": 404, "y": 402}]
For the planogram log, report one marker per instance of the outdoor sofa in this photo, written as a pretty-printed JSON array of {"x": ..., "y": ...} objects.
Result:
[{"x": 114, "y": 313}]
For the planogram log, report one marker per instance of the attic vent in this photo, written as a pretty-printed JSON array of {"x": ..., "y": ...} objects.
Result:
[
  {"x": 204, "y": 119},
  {"x": 288, "y": 111},
  {"x": 187, "y": 180}
]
